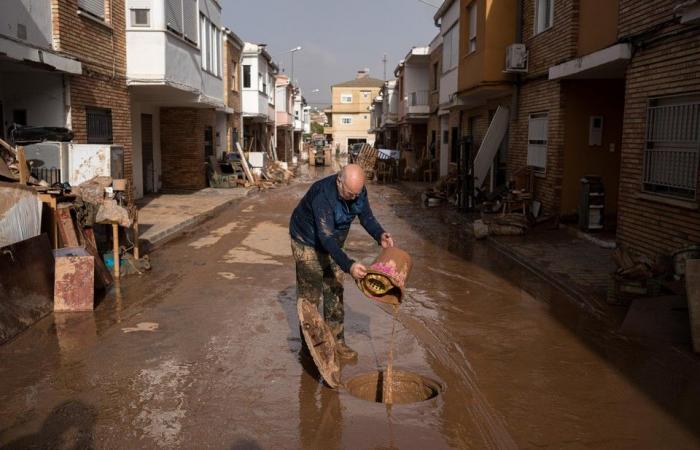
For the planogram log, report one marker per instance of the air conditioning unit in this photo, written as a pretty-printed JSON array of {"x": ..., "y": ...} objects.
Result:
[{"x": 516, "y": 58}]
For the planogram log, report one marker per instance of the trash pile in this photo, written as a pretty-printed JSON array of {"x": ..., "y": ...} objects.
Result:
[{"x": 635, "y": 276}]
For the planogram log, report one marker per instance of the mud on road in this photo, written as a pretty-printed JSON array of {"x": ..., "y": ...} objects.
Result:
[{"x": 203, "y": 352}]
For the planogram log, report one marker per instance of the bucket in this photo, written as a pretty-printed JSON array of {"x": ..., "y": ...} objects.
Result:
[{"x": 386, "y": 277}]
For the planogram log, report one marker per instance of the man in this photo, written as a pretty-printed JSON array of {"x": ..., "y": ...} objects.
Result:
[{"x": 319, "y": 228}]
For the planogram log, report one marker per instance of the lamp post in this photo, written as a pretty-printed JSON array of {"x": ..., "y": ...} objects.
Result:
[{"x": 294, "y": 122}]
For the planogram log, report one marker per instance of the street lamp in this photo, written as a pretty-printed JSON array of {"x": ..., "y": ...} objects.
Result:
[{"x": 292, "y": 51}]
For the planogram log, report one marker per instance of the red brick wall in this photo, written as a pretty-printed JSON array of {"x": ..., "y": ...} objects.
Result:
[
  {"x": 101, "y": 48},
  {"x": 670, "y": 66},
  {"x": 182, "y": 146},
  {"x": 539, "y": 96}
]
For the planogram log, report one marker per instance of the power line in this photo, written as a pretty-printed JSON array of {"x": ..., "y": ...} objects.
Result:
[{"x": 429, "y": 4}]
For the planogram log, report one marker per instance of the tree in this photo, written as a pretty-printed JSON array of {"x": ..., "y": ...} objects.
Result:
[{"x": 316, "y": 128}]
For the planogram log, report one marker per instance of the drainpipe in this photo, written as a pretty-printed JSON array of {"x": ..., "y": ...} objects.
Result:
[{"x": 518, "y": 40}]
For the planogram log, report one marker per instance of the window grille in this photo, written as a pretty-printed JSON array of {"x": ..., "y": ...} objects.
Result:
[
  {"x": 99, "y": 125},
  {"x": 672, "y": 148}
]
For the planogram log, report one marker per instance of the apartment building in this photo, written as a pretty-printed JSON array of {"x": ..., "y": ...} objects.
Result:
[
  {"x": 434, "y": 133},
  {"x": 413, "y": 75},
  {"x": 284, "y": 108},
  {"x": 258, "y": 73},
  {"x": 63, "y": 64},
  {"x": 385, "y": 116},
  {"x": 174, "y": 73},
  {"x": 233, "y": 50},
  {"x": 350, "y": 111}
]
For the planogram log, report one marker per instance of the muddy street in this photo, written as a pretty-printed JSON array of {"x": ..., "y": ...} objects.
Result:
[{"x": 203, "y": 352}]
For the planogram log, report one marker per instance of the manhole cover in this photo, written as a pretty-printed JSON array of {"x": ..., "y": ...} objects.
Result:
[{"x": 407, "y": 387}]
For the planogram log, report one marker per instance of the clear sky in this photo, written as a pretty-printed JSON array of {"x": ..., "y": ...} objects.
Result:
[{"x": 338, "y": 37}]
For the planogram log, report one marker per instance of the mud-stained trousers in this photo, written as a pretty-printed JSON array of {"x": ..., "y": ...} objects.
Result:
[{"x": 319, "y": 276}]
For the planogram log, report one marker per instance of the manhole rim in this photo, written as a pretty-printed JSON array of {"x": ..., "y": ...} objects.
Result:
[{"x": 438, "y": 388}]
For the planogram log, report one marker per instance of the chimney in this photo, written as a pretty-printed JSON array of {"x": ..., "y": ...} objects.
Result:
[{"x": 364, "y": 73}]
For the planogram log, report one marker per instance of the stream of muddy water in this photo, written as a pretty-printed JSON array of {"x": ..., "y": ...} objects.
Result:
[{"x": 388, "y": 384}]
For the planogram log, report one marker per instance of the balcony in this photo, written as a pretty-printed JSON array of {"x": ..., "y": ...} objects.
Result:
[{"x": 419, "y": 102}]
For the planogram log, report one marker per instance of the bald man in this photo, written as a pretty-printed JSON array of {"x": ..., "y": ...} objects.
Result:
[{"x": 319, "y": 228}]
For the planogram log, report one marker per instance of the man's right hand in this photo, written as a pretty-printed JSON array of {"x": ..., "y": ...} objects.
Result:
[{"x": 358, "y": 271}]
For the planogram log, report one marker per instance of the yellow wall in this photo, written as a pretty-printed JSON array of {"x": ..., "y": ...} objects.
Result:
[
  {"x": 585, "y": 98},
  {"x": 495, "y": 31},
  {"x": 359, "y": 103},
  {"x": 597, "y": 25},
  {"x": 358, "y": 111}
]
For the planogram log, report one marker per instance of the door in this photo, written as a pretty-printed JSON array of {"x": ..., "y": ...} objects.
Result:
[
  {"x": 147, "y": 163},
  {"x": 444, "y": 145}
]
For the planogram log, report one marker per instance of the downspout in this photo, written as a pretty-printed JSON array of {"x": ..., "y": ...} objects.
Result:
[{"x": 518, "y": 40}]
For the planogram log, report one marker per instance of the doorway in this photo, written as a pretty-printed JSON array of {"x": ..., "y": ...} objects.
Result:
[{"x": 147, "y": 162}]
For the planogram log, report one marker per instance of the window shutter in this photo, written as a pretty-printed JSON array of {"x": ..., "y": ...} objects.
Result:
[
  {"x": 94, "y": 7},
  {"x": 537, "y": 141},
  {"x": 173, "y": 14},
  {"x": 189, "y": 18}
]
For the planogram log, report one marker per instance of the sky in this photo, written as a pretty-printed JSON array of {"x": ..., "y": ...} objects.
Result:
[{"x": 338, "y": 37}]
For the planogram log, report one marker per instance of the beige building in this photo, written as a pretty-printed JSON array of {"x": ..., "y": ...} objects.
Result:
[{"x": 351, "y": 110}]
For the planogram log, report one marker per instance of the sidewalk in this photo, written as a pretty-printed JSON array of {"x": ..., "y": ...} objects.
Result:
[
  {"x": 573, "y": 264},
  {"x": 163, "y": 216}
]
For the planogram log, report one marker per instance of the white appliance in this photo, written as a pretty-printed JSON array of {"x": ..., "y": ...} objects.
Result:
[{"x": 74, "y": 163}]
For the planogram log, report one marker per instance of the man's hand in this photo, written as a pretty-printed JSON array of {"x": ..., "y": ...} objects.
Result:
[
  {"x": 358, "y": 271},
  {"x": 387, "y": 240}
]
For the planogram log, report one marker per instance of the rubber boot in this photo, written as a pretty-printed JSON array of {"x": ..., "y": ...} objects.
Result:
[{"x": 345, "y": 352}]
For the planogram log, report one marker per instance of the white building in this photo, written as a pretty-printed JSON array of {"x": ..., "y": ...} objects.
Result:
[
  {"x": 174, "y": 72},
  {"x": 447, "y": 18},
  {"x": 258, "y": 73},
  {"x": 33, "y": 77}
]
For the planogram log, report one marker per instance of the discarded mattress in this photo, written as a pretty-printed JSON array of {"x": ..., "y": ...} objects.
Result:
[{"x": 386, "y": 277}]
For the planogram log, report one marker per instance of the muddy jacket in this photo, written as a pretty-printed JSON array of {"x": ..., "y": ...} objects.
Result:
[{"x": 322, "y": 220}]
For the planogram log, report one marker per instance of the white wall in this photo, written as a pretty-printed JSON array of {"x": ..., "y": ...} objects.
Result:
[
  {"x": 416, "y": 78},
  {"x": 448, "y": 85},
  {"x": 136, "y": 110},
  {"x": 35, "y": 15},
  {"x": 39, "y": 93},
  {"x": 145, "y": 56},
  {"x": 449, "y": 80}
]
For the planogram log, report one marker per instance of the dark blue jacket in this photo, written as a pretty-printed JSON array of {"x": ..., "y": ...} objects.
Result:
[{"x": 322, "y": 220}]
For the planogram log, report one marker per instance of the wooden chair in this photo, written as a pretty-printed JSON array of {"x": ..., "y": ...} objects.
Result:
[{"x": 520, "y": 192}]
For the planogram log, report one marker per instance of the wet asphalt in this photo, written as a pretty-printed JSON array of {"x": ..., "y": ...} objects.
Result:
[{"x": 203, "y": 352}]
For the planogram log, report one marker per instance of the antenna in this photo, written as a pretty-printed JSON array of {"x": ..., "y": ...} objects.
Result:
[{"x": 384, "y": 61}]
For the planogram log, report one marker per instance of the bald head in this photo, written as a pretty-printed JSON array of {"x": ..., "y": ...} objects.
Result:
[{"x": 352, "y": 177}]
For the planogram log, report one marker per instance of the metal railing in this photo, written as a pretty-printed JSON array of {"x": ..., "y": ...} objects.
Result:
[{"x": 672, "y": 153}]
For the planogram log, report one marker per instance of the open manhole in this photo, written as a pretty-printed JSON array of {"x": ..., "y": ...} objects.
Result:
[{"x": 407, "y": 387}]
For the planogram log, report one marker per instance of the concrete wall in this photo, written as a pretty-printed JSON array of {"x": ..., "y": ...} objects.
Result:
[
  {"x": 35, "y": 15},
  {"x": 41, "y": 94}
]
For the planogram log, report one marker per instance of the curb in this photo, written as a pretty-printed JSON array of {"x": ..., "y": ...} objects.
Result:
[{"x": 165, "y": 236}]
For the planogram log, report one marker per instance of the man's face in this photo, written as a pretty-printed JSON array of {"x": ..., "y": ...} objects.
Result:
[{"x": 347, "y": 193}]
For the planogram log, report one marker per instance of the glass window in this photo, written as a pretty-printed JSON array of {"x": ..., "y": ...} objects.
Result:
[
  {"x": 544, "y": 15},
  {"x": 140, "y": 17},
  {"x": 472, "y": 27},
  {"x": 246, "y": 76},
  {"x": 346, "y": 98}
]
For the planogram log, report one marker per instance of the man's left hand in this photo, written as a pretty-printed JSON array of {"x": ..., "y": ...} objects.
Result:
[{"x": 387, "y": 241}]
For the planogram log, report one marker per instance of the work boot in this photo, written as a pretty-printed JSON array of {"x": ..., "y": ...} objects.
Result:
[{"x": 345, "y": 352}]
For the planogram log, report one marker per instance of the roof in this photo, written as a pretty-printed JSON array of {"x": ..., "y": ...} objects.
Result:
[{"x": 361, "y": 82}]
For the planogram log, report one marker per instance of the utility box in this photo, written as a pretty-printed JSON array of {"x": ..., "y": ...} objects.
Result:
[{"x": 591, "y": 214}]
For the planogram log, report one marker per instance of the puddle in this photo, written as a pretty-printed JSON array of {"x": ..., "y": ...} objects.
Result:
[{"x": 407, "y": 387}]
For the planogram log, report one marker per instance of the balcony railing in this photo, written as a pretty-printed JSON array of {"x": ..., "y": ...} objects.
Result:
[{"x": 419, "y": 98}]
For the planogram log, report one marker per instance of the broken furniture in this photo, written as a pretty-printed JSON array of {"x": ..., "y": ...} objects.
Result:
[
  {"x": 520, "y": 191},
  {"x": 367, "y": 159},
  {"x": 219, "y": 179},
  {"x": 74, "y": 284}
]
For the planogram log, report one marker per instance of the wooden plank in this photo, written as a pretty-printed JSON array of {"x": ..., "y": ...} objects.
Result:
[
  {"x": 103, "y": 278},
  {"x": 8, "y": 147},
  {"x": 23, "y": 169},
  {"x": 66, "y": 227},
  {"x": 115, "y": 250},
  {"x": 244, "y": 163}
]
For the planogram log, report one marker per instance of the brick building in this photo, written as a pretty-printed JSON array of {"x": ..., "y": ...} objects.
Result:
[
  {"x": 233, "y": 48},
  {"x": 64, "y": 65},
  {"x": 659, "y": 203}
]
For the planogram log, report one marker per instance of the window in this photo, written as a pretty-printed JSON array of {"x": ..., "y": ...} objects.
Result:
[
  {"x": 538, "y": 128},
  {"x": 436, "y": 76},
  {"x": 346, "y": 120},
  {"x": 544, "y": 15},
  {"x": 365, "y": 95},
  {"x": 140, "y": 17},
  {"x": 346, "y": 97},
  {"x": 472, "y": 26},
  {"x": 210, "y": 46},
  {"x": 445, "y": 137},
  {"x": 173, "y": 15},
  {"x": 99, "y": 125},
  {"x": 450, "y": 49},
  {"x": 93, "y": 7},
  {"x": 246, "y": 76},
  {"x": 672, "y": 148},
  {"x": 262, "y": 85}
]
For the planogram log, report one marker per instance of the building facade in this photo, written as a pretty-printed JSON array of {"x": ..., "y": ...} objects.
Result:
[
  {"x": 258, "y": 73},
  {"x": 174, "y": 73},
  {"x": 350, "y": 111},
  {"x": 233, "y": 50},
  {"x": 413, "y": 75}
]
